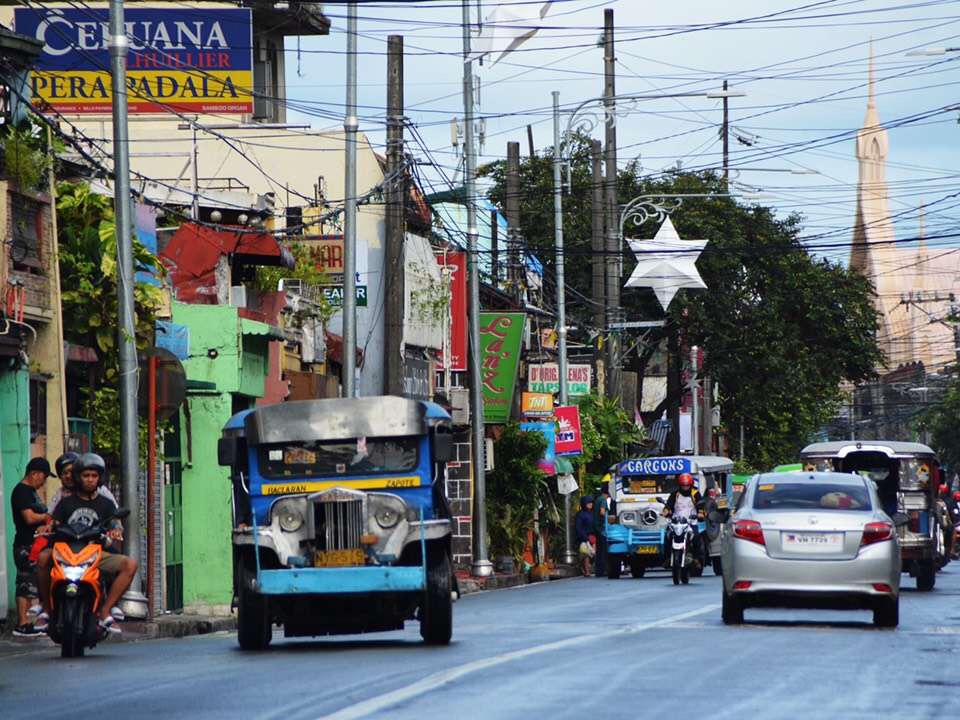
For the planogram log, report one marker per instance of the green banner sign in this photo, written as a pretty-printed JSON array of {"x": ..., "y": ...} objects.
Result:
[{"x": 500, "y": 336}]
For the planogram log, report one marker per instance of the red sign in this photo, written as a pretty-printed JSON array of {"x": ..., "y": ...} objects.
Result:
[
  {"x": 457, "y": 264},
  {"x": 569, "y": 439}
]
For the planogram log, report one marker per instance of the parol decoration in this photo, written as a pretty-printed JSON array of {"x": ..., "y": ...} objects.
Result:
[{"x": 666, "y": 263}]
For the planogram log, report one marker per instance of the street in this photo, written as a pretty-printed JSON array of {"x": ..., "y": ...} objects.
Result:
[{"x": 561, "y": 649}]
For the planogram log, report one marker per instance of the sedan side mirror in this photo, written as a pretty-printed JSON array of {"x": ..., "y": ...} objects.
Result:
[{"x": 900, "y": 519}]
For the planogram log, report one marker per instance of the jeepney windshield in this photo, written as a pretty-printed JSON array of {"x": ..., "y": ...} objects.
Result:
[
  {"x": 362, "y": 456},
  {"x": 649, "y": 484}
]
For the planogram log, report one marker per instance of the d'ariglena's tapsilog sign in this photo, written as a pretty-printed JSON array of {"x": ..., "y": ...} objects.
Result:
[{"x": 184, "y": 59}]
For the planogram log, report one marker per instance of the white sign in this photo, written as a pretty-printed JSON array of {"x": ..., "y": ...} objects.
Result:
[{"x": 546, "y": 378}]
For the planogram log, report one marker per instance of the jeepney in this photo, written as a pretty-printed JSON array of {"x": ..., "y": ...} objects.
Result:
[
  {"x": 640, "y": 488},
  {"x": 340, "y": 520},
  {"x": 906, "y": 475}
]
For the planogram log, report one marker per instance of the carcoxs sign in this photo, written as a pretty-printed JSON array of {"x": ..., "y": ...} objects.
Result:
[
  {"x": 655, "y": 466},
  {"x": 186, "y": 59}
]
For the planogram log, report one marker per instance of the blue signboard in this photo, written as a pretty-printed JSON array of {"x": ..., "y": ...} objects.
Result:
[
  {"x": 549, "y": 431},
  {"x": 656, "y": 466}
]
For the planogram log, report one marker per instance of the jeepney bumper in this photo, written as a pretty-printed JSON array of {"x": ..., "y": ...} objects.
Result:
[{"x": 342, "y": 581}]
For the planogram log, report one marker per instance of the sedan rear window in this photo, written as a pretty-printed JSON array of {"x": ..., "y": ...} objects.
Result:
[{"x": 810, "y": 496}]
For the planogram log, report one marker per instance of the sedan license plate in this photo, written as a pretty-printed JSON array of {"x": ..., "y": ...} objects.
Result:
[
  {"x": 812, "y": 541},
  {"x": 338, "y": 558},
  {"x": 648, "y": 550}
]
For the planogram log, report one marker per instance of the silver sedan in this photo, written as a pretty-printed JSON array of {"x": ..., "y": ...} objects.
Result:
[{"x": 811, "y": 540}]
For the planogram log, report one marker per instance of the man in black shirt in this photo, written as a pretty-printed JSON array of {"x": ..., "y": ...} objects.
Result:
[
  {"x": 26, "y": 520},
  {"x": 88, "y": 508}
]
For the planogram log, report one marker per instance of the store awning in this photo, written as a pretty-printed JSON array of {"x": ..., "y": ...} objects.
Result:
[{"x": 257, "y": 328}]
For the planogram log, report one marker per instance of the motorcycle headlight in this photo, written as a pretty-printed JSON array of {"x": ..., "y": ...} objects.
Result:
[
  {"x": 387, "y": 517},
  {"x": 74, "y": 573},
  {"x": 289, "y": 515}
]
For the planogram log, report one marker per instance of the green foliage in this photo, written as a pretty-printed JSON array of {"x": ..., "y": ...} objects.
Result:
[
  {"x": 25, "y": 159},
  {"x": 515, "y": 489},
  {"x": 942, "y": 421},
  {"x": 607, "y": 434},
  {"x": 431, "y": 301},
  {"x": 305, "y": 269},
  {"x": 781, "y": 329},
  {"x": 88, "y": 266}
]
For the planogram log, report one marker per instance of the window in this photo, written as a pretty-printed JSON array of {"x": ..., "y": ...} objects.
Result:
[
  {"x": 363, "y": 456},
  {"x": 38, "y": 408},
  {"x": 810, "y": 496},
  {"x": 25, "y": 243}
]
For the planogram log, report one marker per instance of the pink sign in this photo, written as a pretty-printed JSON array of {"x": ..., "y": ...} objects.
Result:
[{"x": 569, "y": 439}]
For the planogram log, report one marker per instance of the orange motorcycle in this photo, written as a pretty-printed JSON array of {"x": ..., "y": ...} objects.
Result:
[{"x": 76, "y": 586}]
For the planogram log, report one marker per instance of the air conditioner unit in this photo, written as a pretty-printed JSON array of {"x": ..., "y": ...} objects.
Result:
[{"x": 460, "y": 405}]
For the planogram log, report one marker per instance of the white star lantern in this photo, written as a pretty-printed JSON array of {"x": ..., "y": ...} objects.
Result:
[{"x": 666, "y": 263}]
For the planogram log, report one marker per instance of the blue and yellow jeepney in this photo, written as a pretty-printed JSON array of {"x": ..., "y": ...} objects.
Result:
[
  {"x": 640, "y": 488},
  {"x": 340, "y": 520}
]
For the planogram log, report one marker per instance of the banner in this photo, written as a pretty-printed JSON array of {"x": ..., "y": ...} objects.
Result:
[
  {"x": 500, "y": 336},
  {"x": 197, "y": 60},
  {"x": 536, "y": 404},
  {"x": 549, "y": 431},
  {"x": 457, "y": 262},
  {"x": 569, "y": 437},
  {"x": 546, "y": 378}
]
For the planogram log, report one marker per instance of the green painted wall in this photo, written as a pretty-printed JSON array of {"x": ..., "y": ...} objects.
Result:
[
  {"x": 14, "y": 451},
  {"x": 237, "y": 364}
]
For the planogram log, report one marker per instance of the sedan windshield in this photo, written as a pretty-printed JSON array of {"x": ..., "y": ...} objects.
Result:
[{"x": 811, "y": 496}]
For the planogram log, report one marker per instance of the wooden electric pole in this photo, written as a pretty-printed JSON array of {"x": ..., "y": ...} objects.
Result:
[
  {"x": 514, "y": 262},
  {"x": 613, "y": 209},
  {"x": 396, "y": 192},
  {"x": 597, "y": 243}
]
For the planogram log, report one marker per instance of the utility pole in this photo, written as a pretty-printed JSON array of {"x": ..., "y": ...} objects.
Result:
[
  {"x": 597, "y": 243},
  {"x": 674, "y": 364},
  {"x": 726, "y": 136},
  {"x": 513, "y": 219},
  {"x": 481, "y": 566},
  {"x": 694, "y": 403},
  {"x": 135, "y": 604},
  {"x": 613, "y": 208},
  {"x": 350, "y": 126},
  {"x": 568, "y": 556},
  {"x": 395, "y": 220}
]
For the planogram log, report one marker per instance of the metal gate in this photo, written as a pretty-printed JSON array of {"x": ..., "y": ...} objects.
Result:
[{"x": 173, "y": 520}]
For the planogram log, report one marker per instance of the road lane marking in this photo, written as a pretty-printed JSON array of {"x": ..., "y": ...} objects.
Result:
[{"x": 376, "y": 704}]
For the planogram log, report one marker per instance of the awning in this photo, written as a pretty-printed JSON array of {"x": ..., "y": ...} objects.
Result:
[
  {"x": 254, "y": 327},
  {"x": 80, "y": 353},
  {"x": 335, "y": 349}
]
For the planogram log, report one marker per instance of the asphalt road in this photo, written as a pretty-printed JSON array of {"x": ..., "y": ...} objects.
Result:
[{"x": 571, "y": 649}]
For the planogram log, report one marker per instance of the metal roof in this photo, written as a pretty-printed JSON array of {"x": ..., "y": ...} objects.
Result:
[{"x": 842, "y": 448}]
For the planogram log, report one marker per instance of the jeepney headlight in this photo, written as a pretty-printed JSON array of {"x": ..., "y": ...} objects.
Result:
[
  {"x": 628, "y": 518},
  {"x": 289, "y": 515},
  {"x": 387, "y": 517}
]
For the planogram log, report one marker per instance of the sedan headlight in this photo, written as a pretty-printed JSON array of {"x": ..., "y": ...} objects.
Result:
[{"x": 289, "y": 515}]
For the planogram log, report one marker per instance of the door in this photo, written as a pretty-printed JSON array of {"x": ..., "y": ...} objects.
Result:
[{"x": 173, "y": 518}]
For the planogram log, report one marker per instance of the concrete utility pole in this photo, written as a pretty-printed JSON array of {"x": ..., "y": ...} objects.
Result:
[
  {"x": 694, "y": 403},
  {"x": 613, "y": 208},
  {"x": 395, "y": 220},
  {"x": 597, "y": 242},
  {"x": 726, "y": 135},
  {"x": 134, "y": 601},
  {"x": 514, "y": 263},
  {"x": 481, "y": 567},
  {"x": 350, "y": 126},
  {"x": 568, "y": 556},
  {"x": 674, "y": 377}
]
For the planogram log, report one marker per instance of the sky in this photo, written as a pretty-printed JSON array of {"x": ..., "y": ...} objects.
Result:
[{"x": 802, "y": 64}]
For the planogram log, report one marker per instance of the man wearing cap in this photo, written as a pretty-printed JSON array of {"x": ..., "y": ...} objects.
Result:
[{"x": 26, "y": 519}]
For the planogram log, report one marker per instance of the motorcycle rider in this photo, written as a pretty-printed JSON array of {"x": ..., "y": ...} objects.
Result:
[
  {"x": 686, "y": 502},
  {"x": 87, "y": 507},
  {"x": 64, "y": 468}
]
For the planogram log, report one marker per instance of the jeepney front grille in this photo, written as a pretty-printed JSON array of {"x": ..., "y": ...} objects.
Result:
[{"x": 338, "y": 524}]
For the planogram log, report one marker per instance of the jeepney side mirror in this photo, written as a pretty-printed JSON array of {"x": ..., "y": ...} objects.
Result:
[
  {"x": 900, "y": 519},
  {"x": 228, "y": 449},
  {"x": 441, "y": 443}
]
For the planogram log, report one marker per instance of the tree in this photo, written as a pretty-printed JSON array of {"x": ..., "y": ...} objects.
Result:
[
  {"x": 781, "y": 328},
  {"x": 941, "y": 421}
]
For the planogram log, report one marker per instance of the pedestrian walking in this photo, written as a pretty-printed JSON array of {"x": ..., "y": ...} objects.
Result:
[
  {"x": 586, "y": 540},
  {"x": 601, "y": 508},
  {"x": 27, "y": 518}
]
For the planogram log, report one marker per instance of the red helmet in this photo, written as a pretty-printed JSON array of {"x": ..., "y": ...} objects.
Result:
[
  {"x": 956, "y": 495},
  {"x": 685, "y": 480},
  {"x": 943, "y": 489}
]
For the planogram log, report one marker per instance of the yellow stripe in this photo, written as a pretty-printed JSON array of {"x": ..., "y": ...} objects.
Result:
[{"x": 315, "y": 486}]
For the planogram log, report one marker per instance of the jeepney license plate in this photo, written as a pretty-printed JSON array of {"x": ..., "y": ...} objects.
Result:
[
  {"x": 338, "y": 558},
  {"x": 648, "y": 550}
]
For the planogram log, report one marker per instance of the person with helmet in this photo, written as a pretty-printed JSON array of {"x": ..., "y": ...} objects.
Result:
[
  {"x": 686, "y": 501},
  {"x": 86, "y": 506},
  {"x": 954, "y": 510},
  {"x": 64, "y": 468}
]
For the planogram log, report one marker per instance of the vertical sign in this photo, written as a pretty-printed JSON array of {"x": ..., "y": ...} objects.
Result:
[
  {"x": 569, "y": 437},
  {"x": 457, "y": 262},
  {"x": 500, "y": 336}
]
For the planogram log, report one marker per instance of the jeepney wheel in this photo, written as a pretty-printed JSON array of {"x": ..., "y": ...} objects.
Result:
[
  {"x": 926, "y": 575},
  {"x": 887, "y": 613},
  {"x": 254, "y": 630},
  {"x": 436, "y": 613},
  {"x": 731, "y": 611},
  {"x": 717, "y": 565},
  {"x": 637, "y": 568},
  {"x": 614, "y": 567}
]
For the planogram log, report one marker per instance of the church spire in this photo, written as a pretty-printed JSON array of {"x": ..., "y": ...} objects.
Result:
[{"x": 871, "y": 84}]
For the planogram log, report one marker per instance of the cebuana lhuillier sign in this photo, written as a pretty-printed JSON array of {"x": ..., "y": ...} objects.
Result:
[{"x": 185, "y": 59}]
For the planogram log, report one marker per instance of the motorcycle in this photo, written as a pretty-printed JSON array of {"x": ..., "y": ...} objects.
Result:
[
  {"x": 76, "y": 587},
  {"x": 680, "y": 534}
]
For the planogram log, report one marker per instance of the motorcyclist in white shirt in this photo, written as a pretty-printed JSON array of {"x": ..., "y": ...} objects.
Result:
[{"x": 686, "y": 502}]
